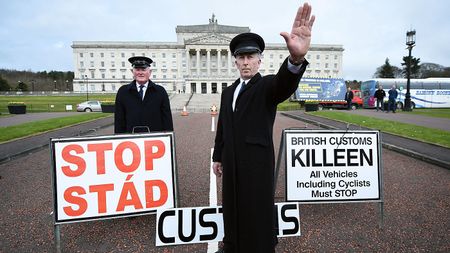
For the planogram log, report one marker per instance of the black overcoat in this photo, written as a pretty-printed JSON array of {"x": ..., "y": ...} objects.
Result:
[
  {"x": 244, "y": 146},
  {"x": 153, "y": 112}
]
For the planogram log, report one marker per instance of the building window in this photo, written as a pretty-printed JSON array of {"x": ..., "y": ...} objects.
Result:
[
  {"x": 124, "y": 77},
  {"x": 103, "y": 75},
  {"x": 308, "y": 56},
  {"x": 143, "y": 54},
  {"x": 281, "y": 56},
  {"x": 112, "y": 54},
  {"x": 318, "y": 57},
  {"x": 174, "y": 55},
  {"x": 81, "y": 55},
  {"x": 92, "y": 64},
  {"x": 113, "y": 86},
  {"x": 224, "y": 85},
  {"x": 203, "y": 86},
  {"x": 271, "y": 56},
  {"x": 164, "y": 76},
  {"x": 133, "y": 54},
  {"x": 122, "y": 55},
  {"x": 102, "y": 55},
  {"x": 335, "y": 57},
  {"x": 335, "y": 66},
  {"x": 113, "y": 64},
  {"x": 174, "y": 76},
  {"x": 92, "y": 54},
  {"x": 92, "y": 75},
  {"x": 123, "y": 64},
  {"x": 102, "y": 64},
  {"x": 81, "y": 64},
  {"x": 326, "y": 57},
  {"x": 114, "y": 77},
  {"x": 163, "y": 55},
  {"x": 326, "y": 65},
  {"x": 318, "y": 65},
  {"x": 153, "y": 55},
  {"x": 154, "y": 76}
]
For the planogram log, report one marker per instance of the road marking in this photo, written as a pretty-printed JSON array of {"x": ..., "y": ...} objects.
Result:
[
  {"x": 212, "y": 246},
  {"x": 212, "y": 124}
]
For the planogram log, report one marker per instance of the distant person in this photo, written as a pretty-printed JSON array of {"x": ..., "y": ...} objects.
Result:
[
  {"x": 142, "y": 103},
  {"x": 392, "y": 105},
  {"x": 349, "y": 98},
  {"x": 379, "y": 95},
  {"x": 244, "y": 151}
]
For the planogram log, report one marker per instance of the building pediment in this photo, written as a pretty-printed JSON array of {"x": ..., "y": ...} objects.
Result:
[{"x": 210, "y": 39}]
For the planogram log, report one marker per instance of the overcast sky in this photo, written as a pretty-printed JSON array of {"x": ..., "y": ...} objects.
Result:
[{"x": 37, "y": 35}]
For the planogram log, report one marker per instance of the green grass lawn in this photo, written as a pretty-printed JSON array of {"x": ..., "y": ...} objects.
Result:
[
  {"x": 436, "y": 136},
  {"x": 50, "y": 103},
  {"x": 437, "y": 112},
  {"x": 288, "y": 106},
  {"x": 27, "y": 129}
]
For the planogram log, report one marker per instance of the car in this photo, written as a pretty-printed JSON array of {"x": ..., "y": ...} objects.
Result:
[{"x": 89, "y": 106}]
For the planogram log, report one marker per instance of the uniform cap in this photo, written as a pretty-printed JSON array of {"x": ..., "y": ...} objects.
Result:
[
  {"x": 140, "y": 61},
  {"x": 247, "y": 43}
]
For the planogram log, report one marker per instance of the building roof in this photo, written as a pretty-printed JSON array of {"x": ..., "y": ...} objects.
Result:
[{"x": 212, "y": 27}]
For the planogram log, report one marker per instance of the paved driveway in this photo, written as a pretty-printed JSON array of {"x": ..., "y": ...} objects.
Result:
[{"x": 416, "y": 207}]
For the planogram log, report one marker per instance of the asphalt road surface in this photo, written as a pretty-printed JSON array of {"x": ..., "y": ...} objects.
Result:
[{"x": 416, "y": 206}]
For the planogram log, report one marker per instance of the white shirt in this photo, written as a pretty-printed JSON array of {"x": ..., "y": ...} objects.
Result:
[
  {"x": 144, "y": 89},
  {"x": 236, "y": 91}
]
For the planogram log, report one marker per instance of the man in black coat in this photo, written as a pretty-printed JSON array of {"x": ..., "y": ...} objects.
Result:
[
  {"x": 349, "y": 98},
  {"x": 142, "y": 103},
  {"x": 243, "y": 150},
  {"x": 379, "y": 95}
]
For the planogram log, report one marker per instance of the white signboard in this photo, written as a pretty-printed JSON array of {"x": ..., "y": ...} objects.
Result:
[
  {"x": 112, "y": 176},
  {"x": 205, "y": 224},
  {"x": 327, "y": 166}
]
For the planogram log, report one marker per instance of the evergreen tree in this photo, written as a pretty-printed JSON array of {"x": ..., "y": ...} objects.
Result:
[
  {"x": 4, "y": 86},
  {"x": 22, "y": 87},
  {"x": 415, "y": 67},
  {"x": 385, "y": 71}
]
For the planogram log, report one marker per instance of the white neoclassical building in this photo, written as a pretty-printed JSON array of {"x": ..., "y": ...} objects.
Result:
[{"x": 198, "y": 62}]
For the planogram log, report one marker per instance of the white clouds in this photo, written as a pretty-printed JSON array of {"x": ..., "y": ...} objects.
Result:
[{"x": 370, "y": 31}]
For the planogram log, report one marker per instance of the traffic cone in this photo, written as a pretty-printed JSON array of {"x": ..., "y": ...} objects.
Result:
[
  {"x": 184, "y": 112},
  {"x": 214, "y": 110}
]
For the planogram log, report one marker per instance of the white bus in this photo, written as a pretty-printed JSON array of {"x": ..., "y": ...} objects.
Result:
[{"x": 425, "y": 93}]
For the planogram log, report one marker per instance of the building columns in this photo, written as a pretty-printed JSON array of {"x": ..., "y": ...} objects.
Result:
[
  {"x": 229, "y": 62},
  {"x": 219, "y": 54},
  {"x": 197, "y": 51},
  {"x": 208, "y": 62}
]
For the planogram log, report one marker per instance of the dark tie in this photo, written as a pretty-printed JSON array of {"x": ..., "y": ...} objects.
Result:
[
  {"x": 141, "y": 91},
  {"x": 242, "y": 88}
]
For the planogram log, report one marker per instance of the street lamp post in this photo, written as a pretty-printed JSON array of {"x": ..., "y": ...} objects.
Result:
[
  {"x": 410, "y": 42},
  {"x": 67, "y": 85},
  {"x": 32, "y": 85},
  {"x": 54, "y": 81}
]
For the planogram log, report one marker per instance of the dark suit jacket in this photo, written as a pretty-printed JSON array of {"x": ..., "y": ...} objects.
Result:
[
  {"x": 244, "y": 145},
  {"x": 153, "y": 112},
  {"x": 349, "y": 95}
]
